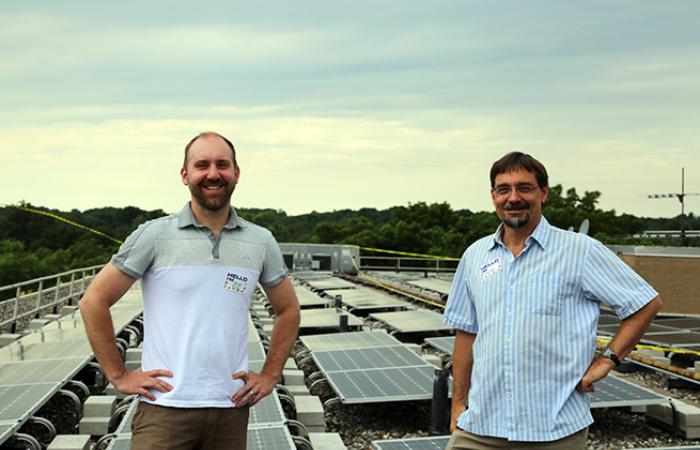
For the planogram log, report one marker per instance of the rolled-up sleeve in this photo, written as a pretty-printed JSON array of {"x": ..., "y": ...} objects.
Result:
[
  {"x": 460, "y": 312},
  {"x": 607, "y": 279}
]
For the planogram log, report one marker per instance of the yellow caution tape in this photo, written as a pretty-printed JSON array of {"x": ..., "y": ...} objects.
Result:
[
  {"x": 653, "y": 347},
  {"x": 418, "y": 255},
  {"x": 67, "y": 221}
]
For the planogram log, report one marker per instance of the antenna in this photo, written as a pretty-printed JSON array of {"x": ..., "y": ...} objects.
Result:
[{"x": 681, "y": 198}]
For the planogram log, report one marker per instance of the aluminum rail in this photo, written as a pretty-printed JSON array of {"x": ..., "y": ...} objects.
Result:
[{"x": 32, "y": 296}]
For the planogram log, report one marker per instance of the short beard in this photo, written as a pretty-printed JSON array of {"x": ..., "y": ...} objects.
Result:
[
  {"x": 210, "y": 204},
  {"x": 516, "y": 223}
]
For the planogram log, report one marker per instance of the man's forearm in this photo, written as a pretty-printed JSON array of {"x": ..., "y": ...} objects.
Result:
[
  {"x": 100, "y": 332},
  {"x": 284, "y": 333},
  {"x": 633, "y": 328},
  {"x": 462, "y": 363}
]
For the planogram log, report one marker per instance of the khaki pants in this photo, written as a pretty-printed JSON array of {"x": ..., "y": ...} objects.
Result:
[
  {"x": 162, "y": 428},
  {"x": 463, "y": 440}
]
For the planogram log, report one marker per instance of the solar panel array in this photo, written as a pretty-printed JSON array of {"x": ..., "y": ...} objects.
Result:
[
  {"x": 610, "y": 392},
  {"x": 370, "y": 367},
  {"x": 36, "y": 366}
]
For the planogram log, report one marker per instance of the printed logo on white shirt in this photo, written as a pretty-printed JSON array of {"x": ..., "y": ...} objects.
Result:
[
  {"x": 490, "y": 269},
  {"x": 236, "y": 283}
]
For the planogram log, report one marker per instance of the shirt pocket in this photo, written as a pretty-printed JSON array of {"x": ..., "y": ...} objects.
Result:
[{"x": 545, "y": 294}]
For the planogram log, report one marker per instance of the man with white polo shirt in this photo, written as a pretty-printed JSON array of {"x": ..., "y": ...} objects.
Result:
[
  {"x": 198, "y": 270},
  {"x": 525, "y": 302}
]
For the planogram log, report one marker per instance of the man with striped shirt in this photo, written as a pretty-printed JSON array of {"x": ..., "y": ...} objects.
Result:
[{"x": 525, "y": 302}]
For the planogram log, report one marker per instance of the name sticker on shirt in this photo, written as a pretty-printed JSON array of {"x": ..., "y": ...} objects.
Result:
[
  {"x": 490, "y": 269},
  {"x": 236, "y": 283}
]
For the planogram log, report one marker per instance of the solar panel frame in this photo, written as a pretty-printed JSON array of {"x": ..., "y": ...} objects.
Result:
[
  {"x": 354, "y": 339},
  {"x": 256, "y": 351},
  {"x": 267, "y": 413},
  {"x": 56, "y": 370},
  {"x": 367, "y": 358},
  {"x": 614, "y": 392},
  {"x": 684, "y": 323},
  {"x": 680, "y": 339},
  {"x": 382, "y": 385},
  {"x": 423, "y": 443},
  {"x": 330, "y": 283},
  {"x": 414, "y": 321},
  {"x": 433, "y": 284},
  {"x": 19, "y": 401},
  {"x": 325, "y": 318},
  {"x": 444, "y": 344}
]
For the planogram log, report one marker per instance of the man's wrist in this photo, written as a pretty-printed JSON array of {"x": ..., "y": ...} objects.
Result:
[{"x": 609, "y": 354}]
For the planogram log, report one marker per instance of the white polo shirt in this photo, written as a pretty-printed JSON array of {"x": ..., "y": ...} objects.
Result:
[{"x": 196, "y": 293}]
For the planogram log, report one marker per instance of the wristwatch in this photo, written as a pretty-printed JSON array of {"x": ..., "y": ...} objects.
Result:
[{"x": 609, "y": 353}]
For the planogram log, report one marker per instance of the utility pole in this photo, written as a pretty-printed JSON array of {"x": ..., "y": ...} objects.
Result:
[{"x": 681, "y": 198}]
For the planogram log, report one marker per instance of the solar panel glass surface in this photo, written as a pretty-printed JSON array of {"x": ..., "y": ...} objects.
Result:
[
  {"x": 383, "y": 385},
  {"x": 426, "y": 443},
  {"x": 367, "y": 358},
  {"x": 356, "y": 339}
]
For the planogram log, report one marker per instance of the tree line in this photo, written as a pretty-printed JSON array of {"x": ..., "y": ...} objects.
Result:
[{"x": 32, "y": 245}]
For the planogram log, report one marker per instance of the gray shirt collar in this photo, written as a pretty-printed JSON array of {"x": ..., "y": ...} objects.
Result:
[{"x": 186, "y": 219}]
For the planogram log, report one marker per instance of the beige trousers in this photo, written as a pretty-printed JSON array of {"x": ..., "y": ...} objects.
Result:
[{"x": 463, "y": 440}]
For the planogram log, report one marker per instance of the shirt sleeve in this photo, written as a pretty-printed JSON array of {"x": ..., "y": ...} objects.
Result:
[
  {"x": 607, "y": 279},
  {"x": 460, "y": 312},
  {"x": 137, "y": 253},
  {"x": 274, "y": 269}
]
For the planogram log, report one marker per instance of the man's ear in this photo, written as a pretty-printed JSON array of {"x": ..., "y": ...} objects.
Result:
[{"x": 183, "y": 176}]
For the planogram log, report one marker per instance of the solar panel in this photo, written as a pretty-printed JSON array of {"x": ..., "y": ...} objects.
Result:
[
  {"x": 689, "y": 322},
  {"x": 19, "y": 401},
  {"x": 417, "y": 321},
  {"x": 367, "y": 358},
  {"x": 608, "y": 320},
  {"x": 444, "y": 344},
  {"x": 358, "y": 339},
  {"x": 330, "y": 283},
  {"x": 434, "y": 284},
  {"x": 275, "y": 438},
  {"x": 308, "y": 299},
  {"x": 78, "y": 347},
  {"x": 383, "y": 385},
  {"x": 425, "y": 443},
  {"x": 6, "y": 431},
  {"x": 41, "y": 370},
  {"x": 121, "y": 442},
  {"x": 267, "y": 412},
  {"x": 610, "y": 330},
  {"x": 612, "y": 392},
  {"x": 364, "y": 299},
  {"x": 679, "y": 339},
  {"x": 256, "y": 351},
  {"x": 325, "y": 318},
  {"x": 125, "y": 425}
]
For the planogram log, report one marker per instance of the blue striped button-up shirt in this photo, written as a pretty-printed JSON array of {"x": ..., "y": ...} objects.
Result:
[{"x": 535, "y": 317}]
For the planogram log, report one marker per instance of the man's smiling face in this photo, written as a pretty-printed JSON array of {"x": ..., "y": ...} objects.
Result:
[
  {"x": 518, "y": 198},
  {"x": 210, "y": 173}
]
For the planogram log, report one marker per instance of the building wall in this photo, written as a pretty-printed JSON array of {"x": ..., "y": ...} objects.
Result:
[{"x": 676, "y": 278}]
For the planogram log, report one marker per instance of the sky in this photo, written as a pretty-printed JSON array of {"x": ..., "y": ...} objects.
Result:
[{"x": 349, "y": 104}]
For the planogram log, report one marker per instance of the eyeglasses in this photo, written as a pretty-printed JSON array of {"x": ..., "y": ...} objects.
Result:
[{"x": 505, "y": 189}]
